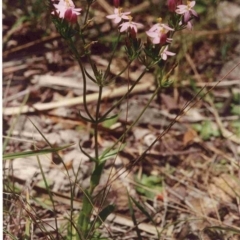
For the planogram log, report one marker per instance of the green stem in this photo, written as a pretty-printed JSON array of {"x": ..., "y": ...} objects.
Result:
[
  {"x": 85, "y": 215},
  {"x": 96, "y": 123},
  {"x": 111, "y": 58},
  {"x": 125, "y": 95},
  {"x": 122, "y": 71},
  {"x": 136, "y": 120},
  {"x": 75, "y": 51},
  {"x": 87, "y": 13}
]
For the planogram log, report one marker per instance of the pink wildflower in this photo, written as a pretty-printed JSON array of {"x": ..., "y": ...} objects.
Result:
[
  {"x": 186, "y": 10},
  {"x": 160, "y": 27},
  {"x": 158, "y": 33},
  {"x": 165, "y": 53},
  {"x": 66, "y": 9},
  {"x": 172, "y": 4},
  {"x": 118, "y": 15},
  {"x": 130, "y": 24}
]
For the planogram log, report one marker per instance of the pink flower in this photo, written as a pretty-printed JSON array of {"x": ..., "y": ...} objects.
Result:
[
  {"x": 158, "y": 37},
  {"x": 160, "y": 27},
  {"x": 130, "y": 24},
  {"x": 66, "y": 9},
  {"x": 172, "y": 4},
  {"x": 118, "y": 15},
  {"x": 186, "y": 10},
  {"x": 158, "y": 33},
  {"x": 165, "y": 53}
]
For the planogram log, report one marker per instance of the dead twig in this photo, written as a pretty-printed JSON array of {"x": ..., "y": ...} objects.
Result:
[{"x": 111, "y": 93}]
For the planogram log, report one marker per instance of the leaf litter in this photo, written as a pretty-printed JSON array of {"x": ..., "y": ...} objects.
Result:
[{"x": 188, "y": 182}]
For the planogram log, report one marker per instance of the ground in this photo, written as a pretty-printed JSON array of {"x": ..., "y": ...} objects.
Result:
[{"x": 188, "y": 182}]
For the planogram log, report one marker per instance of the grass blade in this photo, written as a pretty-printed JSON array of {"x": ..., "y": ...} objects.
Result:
[
  {"x": 131, "y": 210},
  {"x": 34, "y": 152}
]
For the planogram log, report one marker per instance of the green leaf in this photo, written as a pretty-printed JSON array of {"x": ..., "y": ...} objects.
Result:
[
  {"x": 87, "y": 205},
  {"x": 107, "y": 154},
  {"x": 34, "y": 152},
  {"x": 145, "y": 212},
  {"x": 43, "y": 184},
  {"x": 235, "y": 109},
  {"x": 96, "y": 175},
  {"x": 236, "y": 97},
  {"x": 131, "y": 210},
  {"x": 208, "y": 130},
  {"x": 106, "y": 211},
  {"x": 84, "y": 217},
  {"x": 229, "y": 229},
  {"x": 58, "y": 159},
  {"x": 108, "y": 122},
  {"x": 236, "y": 127},
  {"x": 201, "y": 8},
  {"x": 142, "y": 209},
  {"x": 103, "y": 215},
  {"x": 149, "y": 185},
  {"x": 197, "y": 127}
]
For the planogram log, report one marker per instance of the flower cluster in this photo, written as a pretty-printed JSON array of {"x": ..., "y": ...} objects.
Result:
[
  {"x": 185, "y": 10},
  {"x": 66, "y": 10},
  {"x": 159, "y": 33}
]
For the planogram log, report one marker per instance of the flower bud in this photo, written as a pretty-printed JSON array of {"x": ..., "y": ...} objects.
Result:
[
  {"x": 132, "y": 33},
  {"x": 70, "y": 16},
  {"x": 116, "y": 3},
  {"x": 163, "y": 39},
  {"x": 172, "y": 4}
]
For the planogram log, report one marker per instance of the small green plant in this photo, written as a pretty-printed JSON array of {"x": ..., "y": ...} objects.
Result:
[
  {"x": 149, "y": 186},
  {"x": 152, "y": 54}
]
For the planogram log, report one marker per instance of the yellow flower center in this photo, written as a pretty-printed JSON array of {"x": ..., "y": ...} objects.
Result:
[
  {"x": 163, "y": 31},
  {"x": 159, "y": 20},
  {"x": 119, "y": 11},
  {"x": 68, "y": 3},
  {"x": 130, "y": 18}
]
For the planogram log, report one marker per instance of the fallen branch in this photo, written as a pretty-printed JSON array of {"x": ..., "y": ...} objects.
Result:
[{"x": 111, "y": 93}]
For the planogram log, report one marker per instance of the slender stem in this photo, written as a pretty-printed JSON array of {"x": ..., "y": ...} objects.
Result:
[
  {"x": 111, "y": 58},
  {"x": 125, "y": 95},
  {"x": 96, "y": 123},
  {"x": 75, "y": 51},
  {"x": 122, "y": 71},
  {"x": 87, "y": 12},
  {"x": 88, "y": 56},
  {"x": 89, "y": 76},
  {"x": 85, "y": 91},
  {"x": 84, "y": 220},
  {"x": 136, "y": 120}
]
